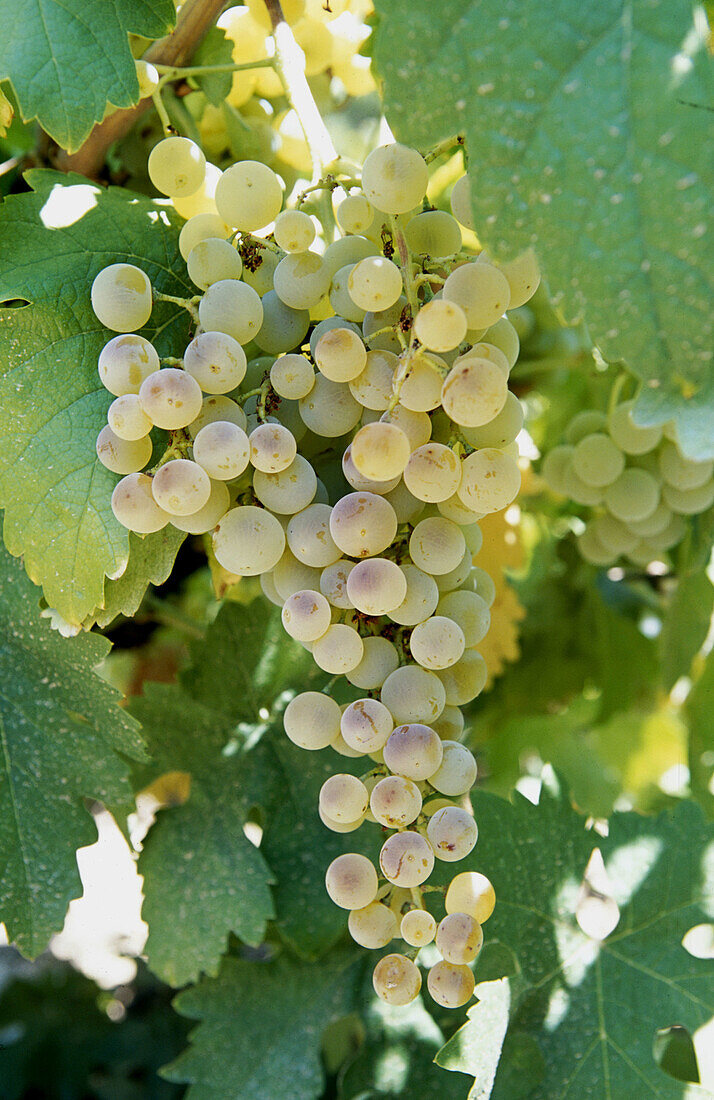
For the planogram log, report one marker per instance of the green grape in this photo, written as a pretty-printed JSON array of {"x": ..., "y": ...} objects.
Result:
[
  {"x": 134, "y": 506},
  {"x": 312, "y": 720},
  {"x": 645, "y": 528},
  {"x": 343, "y": 797},
  {"x": 354, "y": 214},
  {"x": 217, "y": 407},
  {"x": 372, "y": 387},
  {"x": 523, "y": 277},
  {"x": 418, "y": 927},
  {"x": 555, "y": 467},
  {"x": 249, "y": 195},
  {"x": 413, "y": 750},
  {"x": 122, "y": 456},
  {"x": 177, "y": 167},
  {"x": 373, "y": 926},
  {"x": 380, "y": 451},
  {"x": 461, "y": 202},
  {"x": 351, "y": 881},
  {"x": 482, "y": 292},
  {"x": 683, "y": 473},
  {"x": 437, "y": 642},
  {"x": 329, "y": 409},
  {"x": 258, "y": 272},
  {"x": 459, "y": 939},
  {"x": 450, "y": 723},
  {"x": 413, "y": 694},
  {"x": 288, "y": 491},
  {"x": 465, "y": 680},
  {"x": 291, "y": 575},
  {"x": 207, "y": 517},
  {"x": 436, "y": 545},
  {"x": 457, "y": 772},
  {"x": 181, "y": 487},
  {"x": 634, "y": 495},
  {"x": 199, "y": 228},
  {"x": 363, "y": 524},
  {"x": 171, "y": 398},
  {"x": 309, "y": 537},
  {"x": 212, "y": 260},
  {"x": 124, "y": 362},
  {"x": 502, "y": 430},
  {"x": 376, "y": 586},
  {"x": 346, "y": 252},
  {"x": 585, "y": 423},
  {"x": 406, "y": 506},
  {"x": 292, "y": 376},
  {"x": 490, "y": 480},
  {"x": 452, "y": 833},
  {"x": 148, "y": 77},
  {"x": 340, "y": 299},
  {"x": 630, "y": 438},
  {"x": 434, "y": 233},
  {"x": 333, "y": 582},
  {"x": 375, "y": 283},
  {"x": 614, "y": 536},
  {"x": 394, "y": 178},
  {"x": 440, "y": 325},
  {"x": 396, "y": 980},
  {"x": 483, "y": 586},
  {"x": 294, "y": 231},
  {"x": 231, "y": 306},
  {"x": 272, "y": 448},
  {"x": 415, "y": 425},
  {"x": 374, "y": 324},
  {"x": 301, "y": 280},
  {"x": 248, "y": 541},
  {"x": 597, "y": 461},
  {"x": 338, "y": 650},
  {"x": 406, "y": 859},
  {"x": 379, "y": 660},
  {"x": 366, "y": 724},
  {"x": 503, "y": 336},
  {"x": 471, "y": 892},
  {"x": 446, "y": 582},
  {"x": 421, "y": 389},
  {"x": 306, "y": 616},
  {"x": 578, "y": 491},
  {"x": 121, "y": 297},
  {"x": 688, "y": 502},
  {"x": 283, "y": 328},
  {"x": 216, "y": 361}
]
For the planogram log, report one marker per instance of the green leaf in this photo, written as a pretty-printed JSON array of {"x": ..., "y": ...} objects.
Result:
[
  {"x": 215, "y": 49},
  {"x": 572, "y": 152},
  {"x": 53, "y": 242},
  {"x": 589, "y": 1003},
  {"x": 63, "y": 739},
  {"x": 274, "y": 1049},
  {"x": 686, "y": 625},
  {"x": 699, "y": 709},
  {"x": 151, "y": 560},
  {"x": 66, "y": 66}
]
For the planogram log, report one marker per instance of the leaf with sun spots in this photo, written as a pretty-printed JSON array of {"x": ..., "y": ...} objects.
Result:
[
  {"x": 597, "y": 964},
  {"x": 56, "y": 493},
  {"x": 590, "y": 144}
]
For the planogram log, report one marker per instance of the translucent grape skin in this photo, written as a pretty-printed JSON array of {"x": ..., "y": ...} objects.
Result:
[
  {"x": 406, "y": 859},
  {"x": 121, "y": 297},
  {"x": 351, "y": 881},
  {"x": 373, "y": 926},
  {"x": 396, "y": 980},
  {"x": 418, "y": 927},
  {"x": 450, "y": 985}
]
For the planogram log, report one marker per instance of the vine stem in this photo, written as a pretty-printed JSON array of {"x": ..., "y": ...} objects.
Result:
[
  {"x": 290, "y": 66},
  {"x": 161, "y": 111},
  {"x": 189, "y": 304},
  {"x": 179, "y": 72},
  {"x": 444, "y": 147}
]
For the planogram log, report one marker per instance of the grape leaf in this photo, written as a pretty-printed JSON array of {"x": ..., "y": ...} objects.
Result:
[
  {"x": 572, "y": 152},
  {"x": 66, "y": 64},
  {"x": 274, "y": 1049},
  {"x": 62, "y": 739},
  {"x": 593, "y": 1006},
  {"x": 202, "y": 877},
  {"x": 685, "y": 626},
  {"x": 56, "y": 493},
  {"x": 151, "y": 560},
  {"x": 476, "y": 1048},
  {"x": 215, "y": 49},
  {"x": 699, "y": 709}
]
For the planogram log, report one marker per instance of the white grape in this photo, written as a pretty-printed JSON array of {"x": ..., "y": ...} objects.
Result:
[
  {"x": 288, "y": 491},
  {"x": 433, "y": 472},
  {"x": 465, "y": 680},
  {"x": 413, "y": 694},
  {"x": 483, "y": 585},
  {"x": 394, "y": 178},
  {"x": 421, "y": 598},
  {"x": 490, "y": 480},
  {"x": 434, "y": 233},
  {"x": 457, "y": 772},
  {"x": 375, "y": 283},
  {"x": 216, "y": 361},
  {"x": 121, "y": 297},
  {"x": 351, "y": 881},
  {"x": 470, "y": 611},
  {"x": 333, "y": 582},
  {"x": 415, "y": 425},
  {"x": 339, "y": 650},
  {"x": 309, "y": 538},
  {"x": 217, "y": 407},
  {"x": 292, "y": 376},
  {"x": 290, "y": 576},
  {"x": 459, "y": 938},
  {"x": 449, "y": 724},
  {"x": 294, "y": 231},
  {"x": 354, "y": 214},
  {"x": 628, "y": 436},
  {"x": 248, "y": 541},
  {"x": 461, "y": 202},
  {"x": 482, "y": 292},
  {"x": 340, "y": 299},
  {"x": 376, "y": 586},
  {"x": 339, "y": 826},
  {"x": 440, "y": 325},
  {"x": 500, "y": 431},
  {"x": 147, "y": 76},
  {"x": 418, "y": 927},
  {"x": 437, "y": 642},
  {"x": 633, "y": 496},
  {"x": 329, "y": 409},
  {"x": 474, "y": 392},
  {"x": 597, "y": 461},
  {"x": 372, "y": 387},
  {"x": 181, "y": 487},
  {"x": 379, "y": 660},
  {"x": 688, "y": 502},
  {"x": 452, "y": 833},
  {"x": 272, "y": 448},
  {"x": 373, "y": 926},
  {"x": 171, "y": 398},
  {"x": 523, "y": 277},
  {"x": 406, "y": 859},
  {"x": 233, "y": 307},
  {"x": 222, "y": 449},
  {"x": 436, "y": 545},
  {"x": 125, "y": 362},
  {"x": 471, "y": 892},
  {"x": 396, "y": 980},
  {"x": 206, "y": 518},
  {"x": 395, "y": 801},
  {"x": 249, "y": 195},
  {"x": 176, "y": 167},
  {"x": 306, "y": 616},
  {"x": 127, "y": 418},
  {"x": 504, "y": 336},
  {"x": 340, "y": 355},
  {"x": 421, "y": 389},
  {"x": 450, "y": 985},
  {"x": 122, "y": 456},
  {"x": 134, "y": 506},
  {"x": 366, "y": 724},
  {"x": 413, "y": 751},
  {"x": 683, "y": 473},
  {"x": 301, "y": 280},
  {"x": 363, "y": 524},
  {"x": 201, "y": 227},
  {"x": 312, "y": 720},
  {"x": 212, "y": 260},
  {"x": 343, "y": 797}
]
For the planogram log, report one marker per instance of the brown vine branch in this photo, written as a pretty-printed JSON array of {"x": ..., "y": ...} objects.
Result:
[{"x": 194, "y": 20}]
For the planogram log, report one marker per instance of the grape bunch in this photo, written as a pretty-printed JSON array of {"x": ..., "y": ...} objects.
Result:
[
  {"x": 340, "y": 422},
  {"x": 636, "y": 480}
]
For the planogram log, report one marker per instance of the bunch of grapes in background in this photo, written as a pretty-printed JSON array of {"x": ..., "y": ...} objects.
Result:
[
  {"x": 338, "y": 425},
  {"x": 639, "y": 486}
]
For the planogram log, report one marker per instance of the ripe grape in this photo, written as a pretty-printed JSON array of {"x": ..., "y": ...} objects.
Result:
[
  {"x": 472, "y": 893},
  {"x": 351, "y": 881},
  {"x": 338, "y": 650},
  {"x": 216, "y": 361},
  {"x": 248, "y": 541},
  {"x": 171, "y": 398},
  {"x": 413, "y": 694},
  {"x": 122, "y": 456},
  {"x": 222, "y": 449},
  {"x": 343, "y": 798},
  {"x": 450, "y": 985},
  {"x": 134, "y": 506},
  {"x": 395, "y": 801},
  {"x": 249, "y": 195},
  {"x": 482, "y": 292},
  {"x": 440, "y": 325},
  {"x": 396, "y": 980},
  {"x": 452, "y": 833},
  {"x": 394, "y": 178},
  {"x": 292, "y": 376},
  {"x": 232, "y": 307},
  {"x": 366, "y": 724},
  {"x": 433, "y": 472},
  {"x": 125, "y": 362},
  {"x": 436, "y": 545},
  {"x": 177, "y": 167},
  {"x": 376, "y": 586},
  {"x": 306, "y": 616},
  {"x": 437, "y": 642},
  {"x": 212, "y": 260},
  {"x": 406, "y": 859},
  {"x": 181, "y": 487},
  {"x": 373, "y": 926},
  {"x": 312, "y": 720},
  {"x": 121, "y": 297},
  {"x": 206, "y": 518},
  {"x": 379, "y": 660},
  {"x": 418, "y": 927},
  {"x": 413, "y": 751},
  {"x": 127, "y": 418},
  {"x": 459, "y": 938}
]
